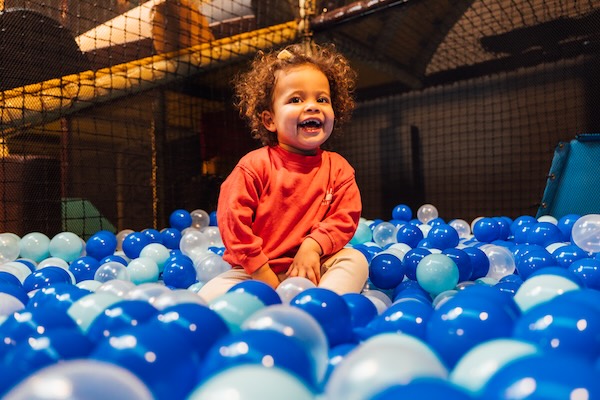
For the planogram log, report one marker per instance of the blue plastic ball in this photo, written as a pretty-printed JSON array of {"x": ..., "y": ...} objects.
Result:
[
  {"x": 20, "y": 326},
  {"x": 408, "y": 316},
  {"x": 436, "y": 222},
  {"x": 412, "y": 259},
  {"x": 466, "y": 320},
  {"x": 213, "y": 218},
  {"x": 84, "y": 268},
  {"x": 462, "y": 261},
  {"x": 368, "y": 250},
  {"x": 264, "y": 292},
  {"x": 423, "y": 388},
  {"x": 508, "y": 287},
  {"x": 178, "y": 274},
  {"x": 59, "y": 296},
  {"x": 364, "y": 249},
  {"x": 46, "y": 277},
  {"x": 124, "y": 314},
  {"x": 48, "y": 348},
  {"x": 521, "y": 235},
  {"x": 170, "y": 237},
  {"x": 587, "y": 296},
  {"x": 386, "y": 270},
  {"x": 410, "y": 289},
  {"x": 443, "y": 236},
  {"x": 267, "y": 348},
  {"x": 17, "y": 291},
  {"x": 198, "y": 324},
  {"x": 562, "y": 325},
  {"x": 588, "y": 271},
  {"x": 521, "y": 221},
  {"x": 498, "y": 297},
  {"x": 161, "y": 357},
  {"x": 134, "y": 243},
  {"x": 486, "y": 230},
  {"x": 153, "y": 235},
  {"x": 515, "y": 278},
  {"x": 177, "y": 255},
  {"x": 362, "y": 310},
  {"x": 402, "y": 212},
  {"x": 544, "y": 233},
  {"x": 547, "y": 376},
  {"x": 217, "y": 250},
  {"x": 504, "y": 224},
  {"x": 565, "y": 225},
  {"x": 533, "y": 260},
  {"x": 566, "y": 255},
  {"x": 6, "y": 277},
  {"x": 101, "y": 244},
  {"x": 410, "y": 235},
  {"x": 330, "y": 310},
  {"x": 180, "y": 219},
  {"x": 479, "y": 262},
  {"x": 112, "y": 258}
]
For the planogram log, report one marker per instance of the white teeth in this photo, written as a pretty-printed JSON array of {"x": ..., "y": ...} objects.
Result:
[{"x": 315, "y": 122}]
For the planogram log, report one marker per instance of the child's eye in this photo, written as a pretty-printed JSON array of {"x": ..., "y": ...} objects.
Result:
[
  {"x": 323, "y": 100},
  {"x": 295, "y": 100}
]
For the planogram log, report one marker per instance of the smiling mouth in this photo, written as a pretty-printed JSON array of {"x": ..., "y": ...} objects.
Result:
[{"x": 311, "y": 124}]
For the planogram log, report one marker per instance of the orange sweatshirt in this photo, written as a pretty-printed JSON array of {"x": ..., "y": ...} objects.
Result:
[{"x": 273, "y": 199}]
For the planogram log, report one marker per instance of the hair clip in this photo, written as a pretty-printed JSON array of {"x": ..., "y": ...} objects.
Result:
[{"x": 284, "y": 55}]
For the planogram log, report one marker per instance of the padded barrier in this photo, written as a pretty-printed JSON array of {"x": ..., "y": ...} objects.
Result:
[{"x": 573, "y": 185}]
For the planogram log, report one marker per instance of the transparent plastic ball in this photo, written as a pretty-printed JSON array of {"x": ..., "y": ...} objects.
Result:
[
  {"x": 111, "y": 270},
  {"x": 193, "y": 243},
  {"x": 200, "y": 219},
  {"x": 384, "y": 234},
  {"x": 426, "y": 213},
  {"x": 586, "y": 233}
]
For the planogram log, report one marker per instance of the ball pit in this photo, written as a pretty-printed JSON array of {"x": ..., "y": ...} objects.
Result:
[{"x": 490, "y": 309}]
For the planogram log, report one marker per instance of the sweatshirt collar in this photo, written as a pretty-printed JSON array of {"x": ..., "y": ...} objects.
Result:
[{"x": 299, "y": 159}]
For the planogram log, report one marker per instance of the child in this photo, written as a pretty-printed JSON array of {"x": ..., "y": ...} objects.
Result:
[{"x": 289, "y": 208}]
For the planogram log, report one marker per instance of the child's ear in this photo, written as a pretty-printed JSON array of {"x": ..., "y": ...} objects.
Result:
[{"x": 267, "y": 120}]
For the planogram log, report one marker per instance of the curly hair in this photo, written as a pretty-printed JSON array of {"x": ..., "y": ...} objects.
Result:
[{"x": 254, "y": 88}]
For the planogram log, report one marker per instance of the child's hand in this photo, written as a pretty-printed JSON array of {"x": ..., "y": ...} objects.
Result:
[{"x": 307, "y": 262}]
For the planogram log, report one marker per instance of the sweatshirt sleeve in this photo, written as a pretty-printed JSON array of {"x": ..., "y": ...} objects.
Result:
[
  {"x": 341, "y": 220},
  {"x": 236, "y": 208}
]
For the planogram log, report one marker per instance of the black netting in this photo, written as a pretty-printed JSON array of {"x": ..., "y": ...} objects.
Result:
[{"x": 115, "y": 113}]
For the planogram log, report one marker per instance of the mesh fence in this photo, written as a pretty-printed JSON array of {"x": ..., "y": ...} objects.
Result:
[{"x": 115, "y": 113}]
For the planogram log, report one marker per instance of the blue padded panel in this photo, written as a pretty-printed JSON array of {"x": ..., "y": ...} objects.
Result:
[{"x": 573, "y": 185}]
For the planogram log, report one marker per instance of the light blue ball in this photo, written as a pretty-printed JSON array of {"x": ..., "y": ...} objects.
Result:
[
  {"x": 437, "y": 273},
  {"x": 35, "y": 246},
  {"x": 143, "y": 270},
  {"x": 157, "y": 252},
  {"x": 66, "y": 245}
]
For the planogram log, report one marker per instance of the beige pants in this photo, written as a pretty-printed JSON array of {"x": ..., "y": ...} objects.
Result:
[{"x": 344, "y": 272}]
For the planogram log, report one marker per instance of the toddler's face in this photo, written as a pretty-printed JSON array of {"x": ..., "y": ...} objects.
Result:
[{"x": 301, "y": 114}]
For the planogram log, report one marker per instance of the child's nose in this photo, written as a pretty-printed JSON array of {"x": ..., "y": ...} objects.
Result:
[{"x": 312, "y": 105}]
